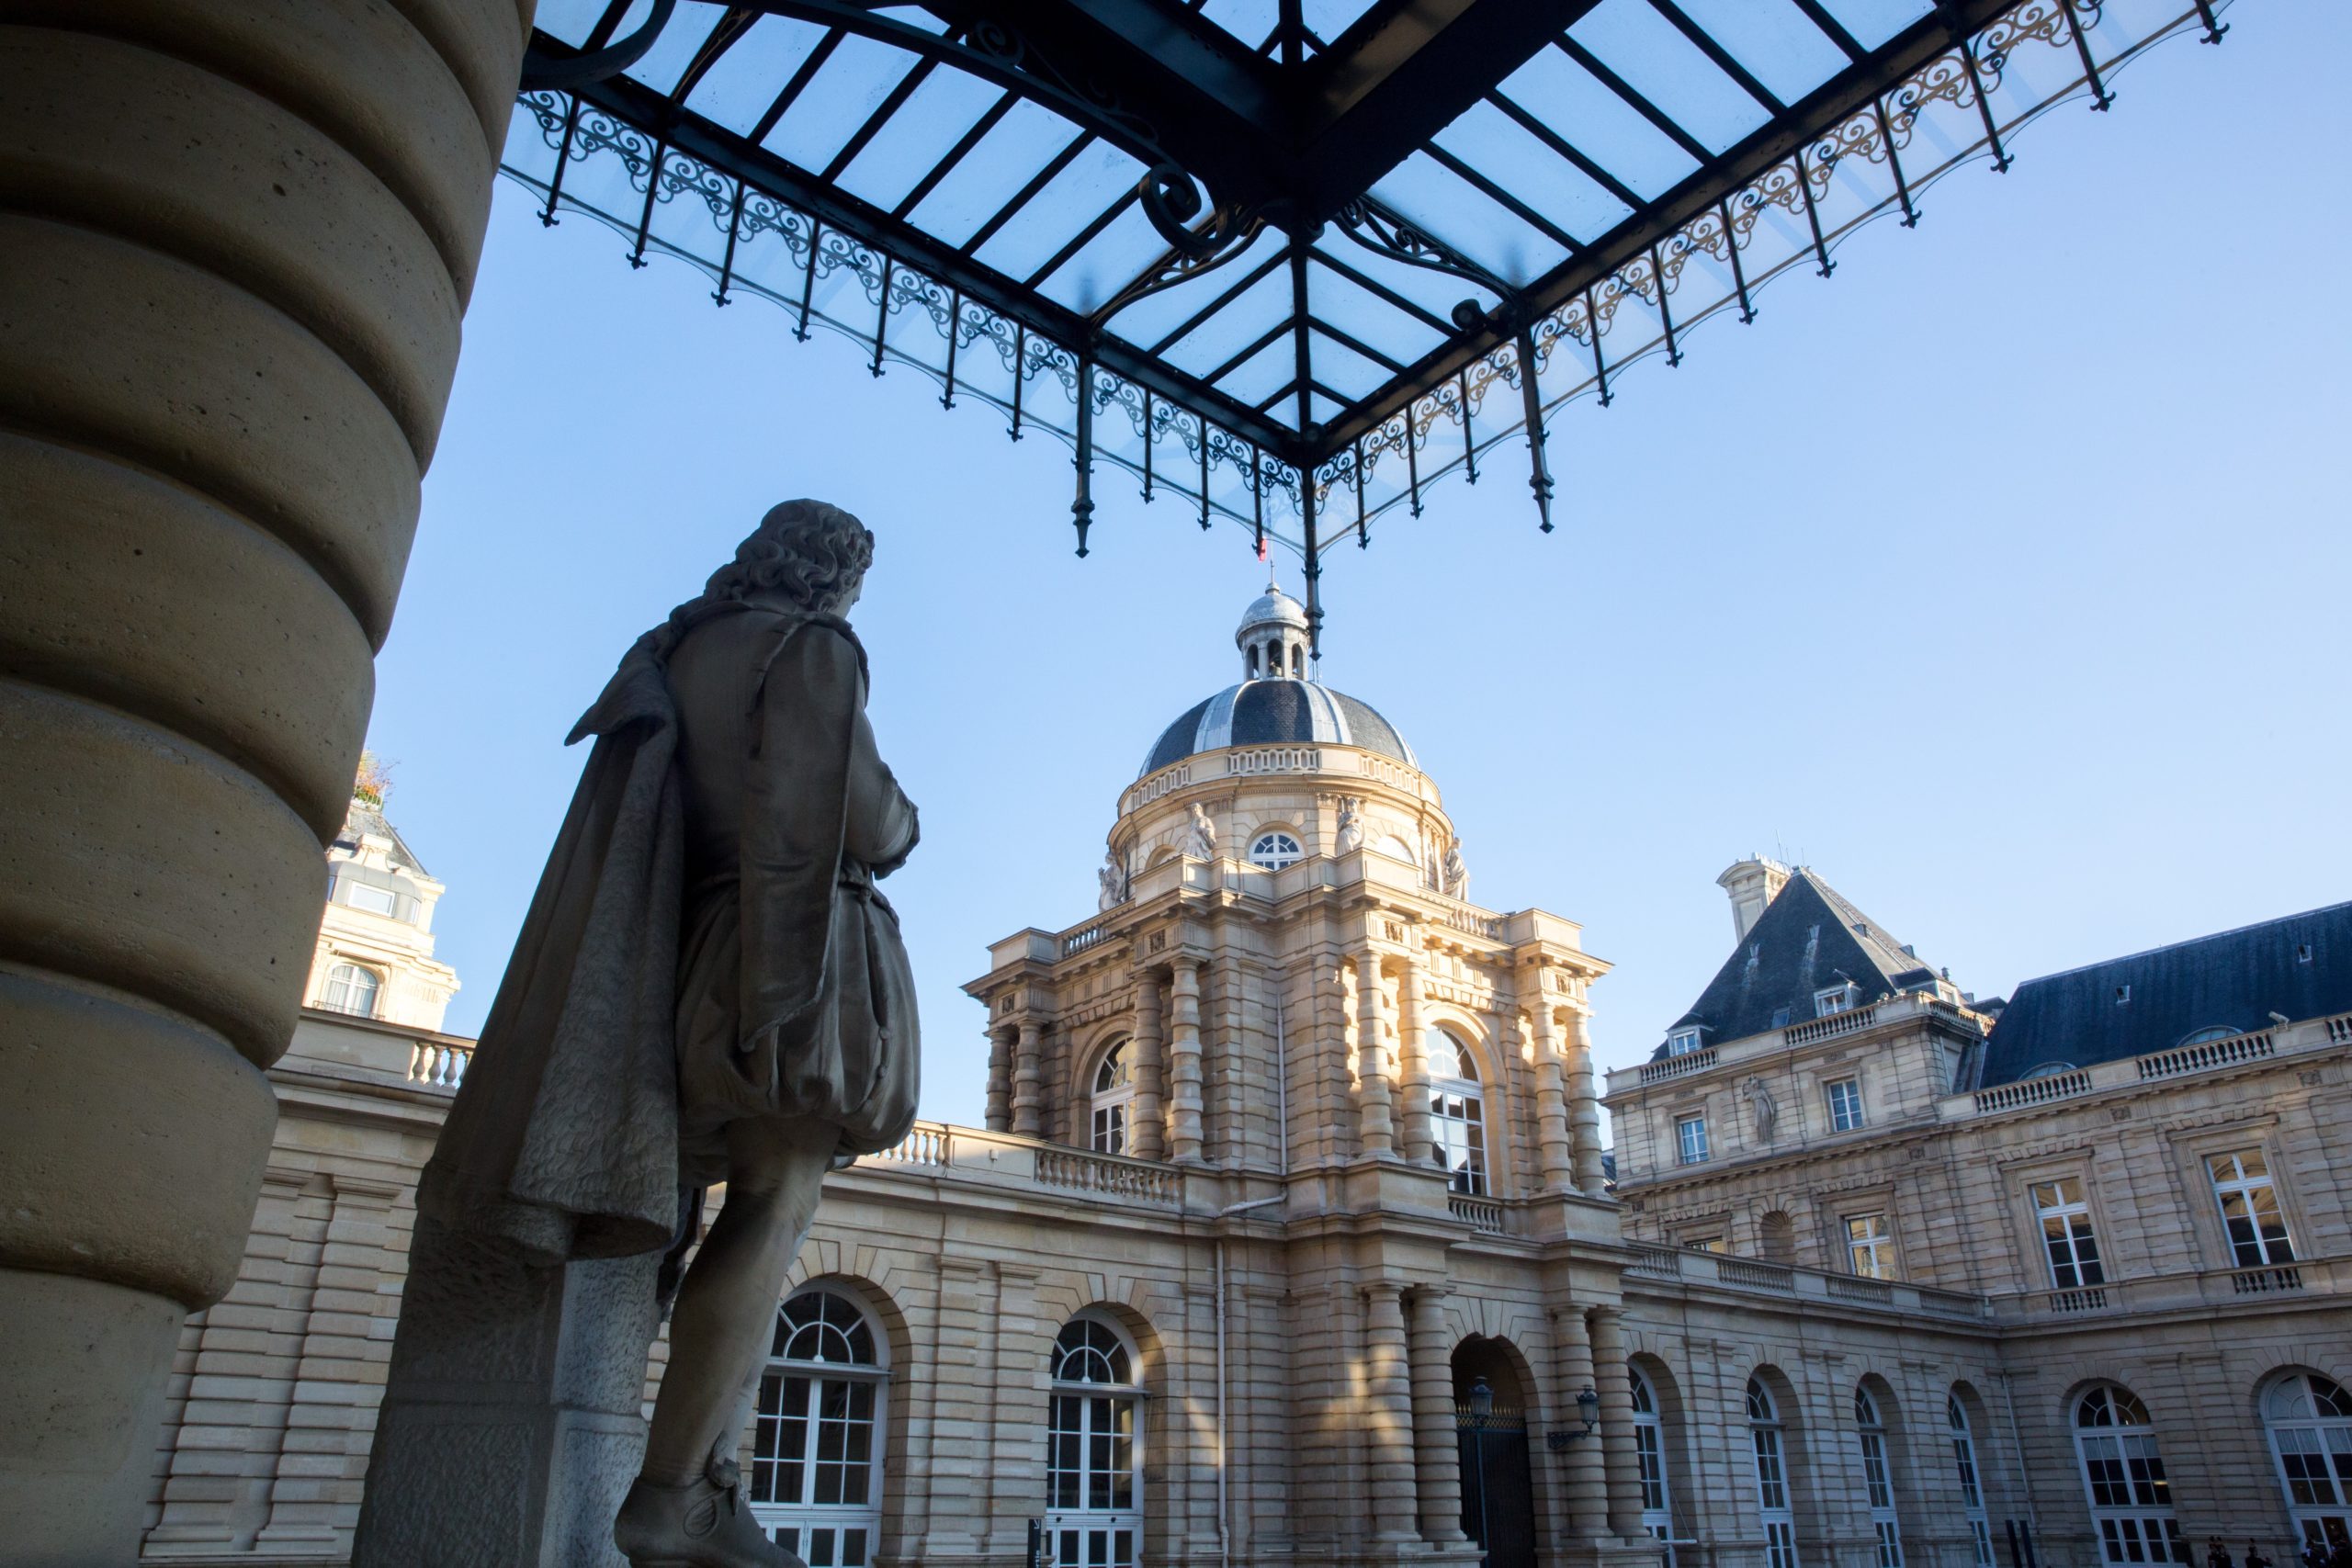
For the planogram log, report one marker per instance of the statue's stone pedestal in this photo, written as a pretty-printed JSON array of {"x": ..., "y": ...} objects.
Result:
[{"x": 512, "y": 1421}]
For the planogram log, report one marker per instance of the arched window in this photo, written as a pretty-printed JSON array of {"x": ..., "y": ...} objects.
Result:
[
  {"x": 817, "y": 1441},
  {"x": 1094, "y": 1462},
  {"x": 2124, "y": 1476},
  {"x": 1772, "y": 1478},
  {"x": 1878, "y": 1480},
  {"x": 1649, "y": 1447},
  {"x": 1113, "y": 1103},
  {"x": 1252, "y": 673},
  {"x": 2309, "y": 1420},
  {"x": 352, "y": 989},
  {"x": 1971, "y": 1489},
  {"x": 1457, "y": 1114},
  {"x": 1275, "y": 850}
]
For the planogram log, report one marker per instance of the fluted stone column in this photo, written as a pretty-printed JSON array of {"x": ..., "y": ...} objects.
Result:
[
  {"x": 235, "y": 244},
  {"x": 1413, "y": 1056},
  {"x": 1553, "y": 1142},
  {"x": 1027, "y": 1081},
  {"x": 1618, "y": 1455},
  {"x": 1388, "y": 1414},
  {"x": 1000, "y": 1103},
  {"x": 1587, "y": 1466},
  {"x": 1378, "y": 1130},
  {"x": 1584, "y": 1104},
  {"x": 1437, "y": 1451},
  {"x": 1184, "y": 1075},
  {"x": 1151, "y": 1071}
]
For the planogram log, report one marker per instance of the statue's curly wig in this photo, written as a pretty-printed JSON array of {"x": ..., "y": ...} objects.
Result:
[{"x": 814, "y": 554}]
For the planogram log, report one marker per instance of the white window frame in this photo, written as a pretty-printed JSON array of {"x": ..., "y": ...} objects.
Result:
[
  {"x": 353, "y": 889},
  {"x": 1878, "y": 1479},
  {"x": 1095, "y": 1520},
  {"x": 842, "y": 1391},
  {"x": 1274, "y": 849},
  {"x": 2123, "y": 1478},
  {"x": 1649, "y": 1452},
  {"x": 2309, "y": 1417},
  {"x": 1835, "y": 1000},
  {"x": 1767, "y": 1452},
  {"x": 2251, "y": 1212},
  {"x": 2069, "y": 1240},
  {"x": 1458, "y": 1117},
  {"x": 1690, "y": 1149},
  {"x": 1681, "y": 1042},
  {"x": 1972, "y": 1481},
  {"x": 341, "y": 989},
  {"x": 1870, "y": 1250},
  {"x": 1843, "y": 1099},
  {"x": 1110, "y": 1108}
]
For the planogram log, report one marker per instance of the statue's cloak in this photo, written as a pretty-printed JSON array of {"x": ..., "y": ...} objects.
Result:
[{"x": 564, "y": 1137}]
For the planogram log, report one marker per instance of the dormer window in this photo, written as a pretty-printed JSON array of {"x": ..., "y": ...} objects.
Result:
[
  {"x": 366, "y": 896},
  {"x": 1681, "y": 1042},
  {"x": 1275, "y": 850},
  {"x": 1836, "y": 999}
]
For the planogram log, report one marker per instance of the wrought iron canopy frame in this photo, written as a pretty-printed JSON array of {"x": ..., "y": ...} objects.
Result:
[{"x": 1286, "y": 261}]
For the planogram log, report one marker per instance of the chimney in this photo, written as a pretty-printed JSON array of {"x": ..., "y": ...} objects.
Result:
[{"x": 1752, "y": 884}]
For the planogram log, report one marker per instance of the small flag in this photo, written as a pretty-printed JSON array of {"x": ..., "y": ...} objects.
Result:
[{"x": 1261, "y": 546}]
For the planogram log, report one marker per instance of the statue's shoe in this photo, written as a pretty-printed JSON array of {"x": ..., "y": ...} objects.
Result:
[{"x": 701, "y": 1525}]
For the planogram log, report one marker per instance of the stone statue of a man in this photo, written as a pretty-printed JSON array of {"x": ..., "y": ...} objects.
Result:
[
  {"x": 708, "y": 989},
  {"x": 1200, "y": 838},
  {"x": 1110, "y": 882},
  {"x": 1350, "y": 838}
]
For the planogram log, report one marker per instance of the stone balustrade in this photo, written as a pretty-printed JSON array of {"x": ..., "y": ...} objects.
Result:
[
  {"x": 1486, "y": 1216},
  {"x": 2180, "y": 1061},
  {"x": 2193, "y": 1291}
]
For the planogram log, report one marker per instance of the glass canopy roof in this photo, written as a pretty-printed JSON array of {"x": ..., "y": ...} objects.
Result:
[{"x": 1292, "y": 262}]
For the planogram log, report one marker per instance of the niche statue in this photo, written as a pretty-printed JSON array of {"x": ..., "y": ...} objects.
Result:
[{"x": 707, "y": 988}]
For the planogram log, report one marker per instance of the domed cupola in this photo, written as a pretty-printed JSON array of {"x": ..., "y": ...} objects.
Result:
[{"x": 1277, "y": 705}]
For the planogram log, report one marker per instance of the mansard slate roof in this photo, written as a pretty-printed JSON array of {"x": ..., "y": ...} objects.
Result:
[
  {"x": 1276, "y": 713},
  {"x": 364, "y": 818},
  {"x": 1808, "y": 939},
  {"x": 2232, "y": 980}
]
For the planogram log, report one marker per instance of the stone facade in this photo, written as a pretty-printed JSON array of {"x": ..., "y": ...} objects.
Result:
[{"x": 1293, "y": 1167}]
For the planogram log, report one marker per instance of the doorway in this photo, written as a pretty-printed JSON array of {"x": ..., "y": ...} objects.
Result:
[{"x": 1492, "y": 1425}]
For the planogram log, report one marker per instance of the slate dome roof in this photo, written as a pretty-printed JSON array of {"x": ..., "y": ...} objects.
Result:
[{"x": 1277, "y": 713}]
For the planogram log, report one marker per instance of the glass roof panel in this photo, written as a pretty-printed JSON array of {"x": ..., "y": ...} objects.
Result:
[
  {"x": 1516, "y": 159},
  {"x": 992, "y": 173},
  {"x": 1779, "y": 44},
  {"x": 1440, "y": 203},
  {"x": 923, "y": 131},
  {"x": 838, "y": 100},
  {"x": 1327, "y": 19},
  {"x": 1248, "y": 20},
  {"x": 1872, "y": 22},
  {"x": 1084, "y": 189},
  {"x": 1342, "y": 368},
  {"x": 1646, "y": 53},
  {"x": 741, "y": 85},
  {"x": 1356, "y": 310},
  {"x": 1434, "y": 292},
  {"x": 1106, "y": 264},
  {"x": 1261, "y": 306},
  {"x": 1598, "y": 124},
  {"x": 674, "y": 49},
  {"x": 1263, "y": 375},
  {"x": 570, "y": 20},
  {"x": 1152, "y": 318}
]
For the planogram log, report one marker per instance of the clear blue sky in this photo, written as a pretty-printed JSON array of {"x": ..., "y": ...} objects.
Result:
[{"x": 2002, "y": 578}]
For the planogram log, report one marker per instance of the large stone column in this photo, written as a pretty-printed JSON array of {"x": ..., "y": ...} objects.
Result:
[
  {"x": 1388, "y": 1413},
  {"x": 1151, "y": 1071},
  {"x": 1376, "y": 1132},
  {"x": 235, "y": 244},
  {"x": 1584, "y": 1104},
  {"x": 1413, "y": 1058},
  {"x": 1551, "y": 1103},
  {"x": 1587, "y": 1469},
  {"x": 1000, "y": 1100},
  {"x": 1027, "y": 1081},
  {"x": 1619, "y": 1456},
  {"x": 1437, "y": 1450},
  {"x": 1184, "y": 1074}
]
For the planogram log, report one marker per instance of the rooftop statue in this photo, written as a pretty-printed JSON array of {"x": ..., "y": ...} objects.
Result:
[{"x": 707, "y": 988}]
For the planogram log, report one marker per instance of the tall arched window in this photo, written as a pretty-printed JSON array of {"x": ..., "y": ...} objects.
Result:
[
  {"x": 1878, "y": 1480},
  {"x": 1972, "y": 1489},
  {"x": 1113, "y": 1103},
  {"x": 1094, "y": 1462},
  {"x": 2309, "y": 1420},
  {"x": 2124, "y": 1476},
  {"x": 817, "y": 1441},
  {"x": 1649, "y": 1447},
  {"x": 1764, "y": 1434},
  {"x": 1274, "y": 851},
  {"x": 352, "y": 989},
  {"x": 1457, "y": 1113}
]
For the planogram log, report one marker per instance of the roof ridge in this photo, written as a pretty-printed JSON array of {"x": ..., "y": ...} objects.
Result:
[{"x": 2186, "y": 942}]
